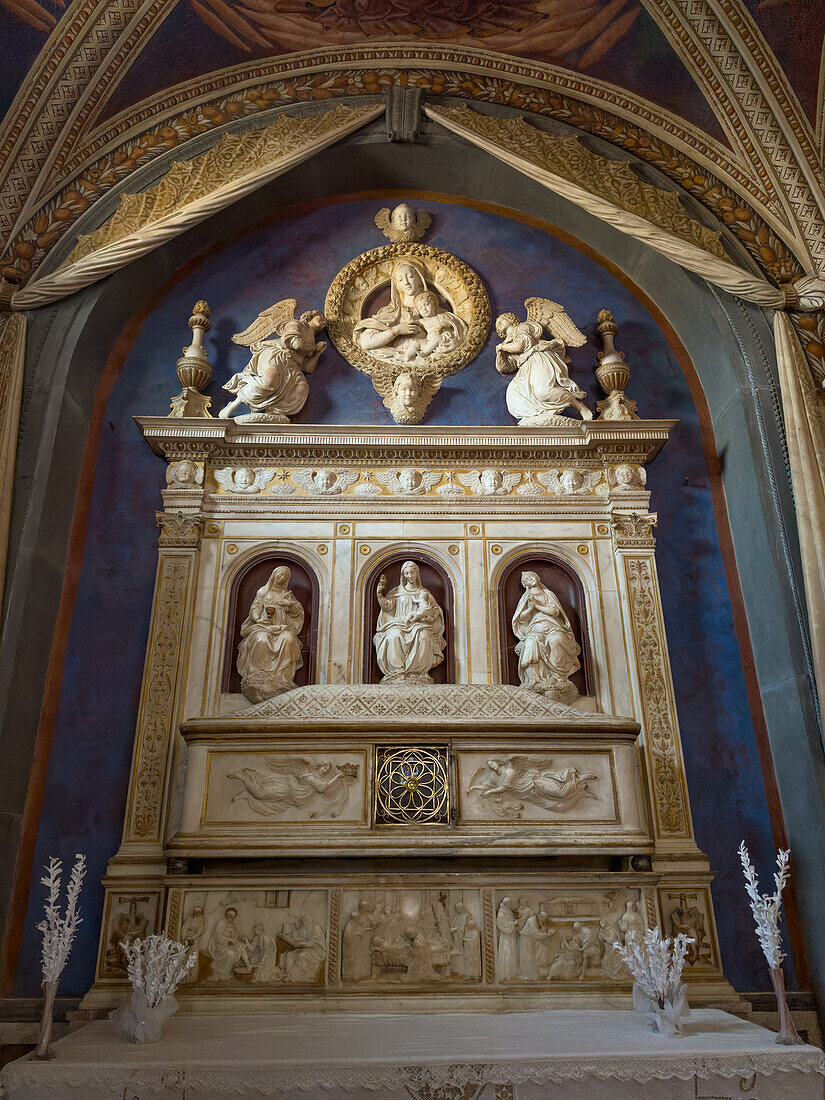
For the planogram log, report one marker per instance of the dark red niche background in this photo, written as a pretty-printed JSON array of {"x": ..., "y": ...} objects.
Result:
[
  {"x": 562, "y": 581},
  {"x": 304, "y": 586},
  {"x": 434, "y": 577}
]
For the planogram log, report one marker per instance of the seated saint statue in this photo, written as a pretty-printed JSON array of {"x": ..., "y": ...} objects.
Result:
[
  {"x": 270, "y": 654},
  {"x": 409, "y": 638},
  {"x": 548, "y": 652}
]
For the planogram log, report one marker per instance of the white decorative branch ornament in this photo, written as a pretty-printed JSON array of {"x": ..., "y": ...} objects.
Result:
[
  {"x": 656, "y": 964},
  {"x": 58, "y": 933},
  {"x": 766, "y": 909},
  {"x": 156, "y": 966}
]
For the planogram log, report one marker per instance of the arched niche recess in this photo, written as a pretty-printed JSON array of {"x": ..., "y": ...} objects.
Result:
[
  {"x": 435, "y": 578},
  {"x": 561, "y": 579},
  {"x": 250, "y": 578}
]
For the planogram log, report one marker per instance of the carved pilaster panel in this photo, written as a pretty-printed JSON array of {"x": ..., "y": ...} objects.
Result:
[
  {"x": 687, "y": 908},
  {"x": 658, "y": 705},
  {"x": 127, "y": 915},
  {"x": 156, "y": 721},
  {"x": 634, "y": 529},
  {"x": 179, "y": 529}
]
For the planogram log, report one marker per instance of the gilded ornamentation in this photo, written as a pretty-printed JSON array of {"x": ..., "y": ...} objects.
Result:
[
  {"x": 243, "y": 480},
  {"x": 542, "y": 388},
  {"x": 409, "y": 482},
  {"x": 613, "y": 180},
  {"x": 179, "y": 528},
  {"x": 490, "y": 482},
  {"x": 325, "y": 482},
  {"x": 571, "y": 482},
  {"x": 657, "y": 705},
  {"x": 634, "y": 530},
  {"x": 434, "y": 324},
  {"x": 411, "y": 786},
  {"x": 156, "y": 721}
]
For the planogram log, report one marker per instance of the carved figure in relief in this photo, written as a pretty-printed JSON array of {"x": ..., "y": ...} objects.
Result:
[
  {"x": 689, "y": 920},
  {"x": 325, "y": 482},
  {"x": 489, "y": 483},
  {"x": 228, "y": 948},
  {"x": 409, "y": 638},
  {"x": 507, "y": 961},
  {"x": 128, "y": 926},
  {"x": 532, "y": 937},
  {"x": 184, "y": 475},
  {"x": 270, "y": 654},
  {"x": 570, "y": 482},
  {"x": 408, "y": 482},
  {"x": 357, "y": 945},
  {"x": 306, "y": 950},
  {"x": 191, "y": 931},
  {"x": 295, "y": 781},
  {"x": 403, "y": 224},
  {"x": 396, "y": 332},
  {"x": 626, "y": 478},
  {"x": 471, "y": 957},
  {"x": 568, "y": 964},
  {"x": 542, "y": 388},
  {"x": 507, "y": 783},
  {"x": 267, "y": 969},
  {"x": 243, "y": 480},
  {"x": 273, "y": 382},
  {"x": 590, "y": 944},
  {"x": 631, "y": 923},
  {"x": 548, "y": 652},
  {"x": 613, "y": 965}
]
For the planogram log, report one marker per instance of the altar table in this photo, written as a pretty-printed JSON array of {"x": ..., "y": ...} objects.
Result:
[{"x": 551, "y": 1055}]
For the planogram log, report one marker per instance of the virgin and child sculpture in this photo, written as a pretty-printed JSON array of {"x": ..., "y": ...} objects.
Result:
[
  {"x": 273, "y": 383},
  {"x": 409, "y": 638},
  {"x": 547, "y": 650},
  {"x": 542, "y": 388},
  {"x": 270, "y": 653}
]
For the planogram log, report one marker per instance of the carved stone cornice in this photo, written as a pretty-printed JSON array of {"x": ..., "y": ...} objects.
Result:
[
  {"x": 634, "y": 529},
  {"x": 179, "y": 529},
  {"x": 222, "y": 441}
]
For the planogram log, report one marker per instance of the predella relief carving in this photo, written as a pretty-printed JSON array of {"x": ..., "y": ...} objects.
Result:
[
  {"x": 564, "y": 938},
  {"x": 273, "y": 383},
  {"x": 270, "y": 654},
  {"x": 542, "y": 388},
  {"x": 409, "y": 637},
  {"x": 548, "y": 653},
  {"x": 411, "y": 937},
  {"x": 262, "y": 937},
  {"x": 434, "y": 321}
]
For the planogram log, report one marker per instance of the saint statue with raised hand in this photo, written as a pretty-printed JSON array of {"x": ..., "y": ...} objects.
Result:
[
  {"x": 270, "y": 654},
  {"x": 547, "y": 650},
  {"x": 409, "y": 638}
]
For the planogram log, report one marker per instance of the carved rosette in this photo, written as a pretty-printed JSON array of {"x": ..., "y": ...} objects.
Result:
[
  {"x": 179, "y": 529},
  {"x": 454, "y": 281}
]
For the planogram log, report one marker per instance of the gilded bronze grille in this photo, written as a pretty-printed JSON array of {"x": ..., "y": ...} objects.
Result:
[{"x": 412, "y": 786}]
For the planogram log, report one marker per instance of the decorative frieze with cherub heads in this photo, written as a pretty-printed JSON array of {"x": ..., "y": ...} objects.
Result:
[
  {"x": 407, "y": 314},
  {"x": 273, "y": 383}
]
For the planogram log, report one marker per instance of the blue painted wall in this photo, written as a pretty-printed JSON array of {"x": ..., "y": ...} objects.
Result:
[{"x": 299, "y": 255}]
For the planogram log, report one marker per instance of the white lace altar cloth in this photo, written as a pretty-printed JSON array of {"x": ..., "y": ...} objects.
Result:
[{"x": 554, "y": 1055}]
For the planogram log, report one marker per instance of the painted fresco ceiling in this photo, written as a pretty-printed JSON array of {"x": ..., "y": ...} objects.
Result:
[{"x": 613, "y": 40}]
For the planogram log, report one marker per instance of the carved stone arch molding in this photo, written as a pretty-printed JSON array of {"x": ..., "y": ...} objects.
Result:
[
  {"x": 244, "y": 584},
  {"x": 436, "y": 578},
  {"x": 563, "y": 580}
]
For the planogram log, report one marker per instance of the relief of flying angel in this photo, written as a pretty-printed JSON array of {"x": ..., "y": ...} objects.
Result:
[
  {"x": 294, "y": 781},
  {"x": 510, "y": 782}
]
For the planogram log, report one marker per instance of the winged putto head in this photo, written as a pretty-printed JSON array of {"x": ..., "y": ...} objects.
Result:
[
  {"x": 403, "y": 224},
  {"x": 407, "y": 393}
]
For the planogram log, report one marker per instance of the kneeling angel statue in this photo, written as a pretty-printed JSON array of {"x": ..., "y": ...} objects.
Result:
[
  {"x": 273, "y": 382},
  {"x": 542, "y": 388}
]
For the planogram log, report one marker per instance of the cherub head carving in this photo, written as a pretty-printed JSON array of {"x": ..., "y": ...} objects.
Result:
[
  {"x": 403, "y": 224},
  {"x": 408, "y": 395}
]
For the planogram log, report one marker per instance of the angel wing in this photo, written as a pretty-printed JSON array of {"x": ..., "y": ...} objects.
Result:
[
  {"x": 382, "y": 219},
  {"x": 471, "y": 481},
  {"x": 550, "y": 480},
  {"x": 263, "y": 478},
  {"x": 291, "y": 765},
  {"x": 429, "y": 478},
  {"x": 479, "y": 780},
  {"x": 509, "y": 481},
  {"x": 344, "y": 478},
  {"x": 389, "y": 479},
  {"x": 305, "y": 480},
  {"x": 225, "y": 478},
  {"x": 267, "y": 322},
  {"x": 422, "y": 223},
  {"x": 553, "y": 317}
]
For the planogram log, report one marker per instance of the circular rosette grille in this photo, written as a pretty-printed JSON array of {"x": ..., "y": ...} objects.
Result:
[{"x": 412, "y": 786}]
